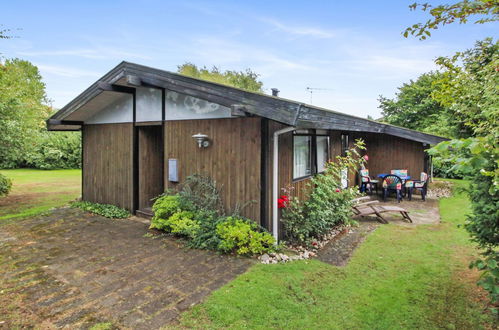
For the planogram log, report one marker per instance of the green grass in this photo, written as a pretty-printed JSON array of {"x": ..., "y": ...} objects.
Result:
[
  {"x": 37, "y": 191},
  {"x": 401, "y": 277}
]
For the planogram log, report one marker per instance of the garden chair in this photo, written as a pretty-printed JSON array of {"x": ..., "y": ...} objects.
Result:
[
  {"x": 421, "y": 184},
  {"x": 400, "y": 173},
  {"x": 363, "y": 209},
  {"x": 391, "y": 183},
  {"x": 403, "y": 174},
  {"x": 366, "y": 183}
]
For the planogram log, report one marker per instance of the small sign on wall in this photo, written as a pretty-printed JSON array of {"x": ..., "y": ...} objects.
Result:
[{"x": 172, "y": 170}]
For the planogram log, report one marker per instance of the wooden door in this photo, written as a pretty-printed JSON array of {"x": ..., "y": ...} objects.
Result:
[{"x": 150, "y": 163}]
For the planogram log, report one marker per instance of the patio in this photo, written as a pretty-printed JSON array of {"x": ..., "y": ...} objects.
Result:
[{"x": 72, "y": 269}]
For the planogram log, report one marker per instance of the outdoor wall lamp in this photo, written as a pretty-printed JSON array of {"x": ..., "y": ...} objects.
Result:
[{"x": 202, "y": 140}]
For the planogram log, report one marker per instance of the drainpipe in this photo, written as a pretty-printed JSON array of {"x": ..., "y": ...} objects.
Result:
[{"x": 275, "y": 180}]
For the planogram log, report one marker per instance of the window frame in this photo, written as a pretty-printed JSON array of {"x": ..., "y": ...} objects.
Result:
[
  {"x": 328, "y": 149},
  {"x": 312, "y": 133},
  {"x": 311, "y": 157}
]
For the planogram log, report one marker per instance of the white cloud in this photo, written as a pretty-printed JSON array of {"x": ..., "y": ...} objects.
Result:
[{"x": 298, "y": 30}]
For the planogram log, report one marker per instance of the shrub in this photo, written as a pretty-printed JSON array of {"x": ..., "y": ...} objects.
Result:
[
  {"x": 242, "y": 236},
  {"x": 55, "y": 150},
  {"x": 327, "y": 206},
  {"x": 5, "y": 185},
  {"x": 164, "y": 207},
  {"x": 196, "y": 212},
  {"x": 201, "y": 193},
  {"x": 206, "y": 237},
  {"x": 105, "y": 210},
  {"x": 477, "y": 159}
]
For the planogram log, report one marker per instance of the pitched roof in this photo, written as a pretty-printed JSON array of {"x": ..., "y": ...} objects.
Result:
[{"x": 276, "y": 108}]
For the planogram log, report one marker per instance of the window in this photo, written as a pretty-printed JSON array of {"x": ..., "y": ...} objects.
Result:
[
  {"x": 322, "y": 143},
  {"x": 310, "y": 153},
  {"x": 344, "y": 144},
  {"x": 302, "y": 160}
]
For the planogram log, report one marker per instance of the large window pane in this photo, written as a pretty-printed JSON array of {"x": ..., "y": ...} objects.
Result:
[
  {"x": 302, "y": 165},
  {"x": 181, "y": 106},
  {"x": 322, "y": 152}
]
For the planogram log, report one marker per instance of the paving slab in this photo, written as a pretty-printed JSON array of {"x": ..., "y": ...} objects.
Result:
[{"x": 70, "y": 269}]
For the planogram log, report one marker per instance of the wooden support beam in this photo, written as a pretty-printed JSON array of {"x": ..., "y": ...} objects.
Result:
[
  {"x": 63, "y": 122},
  {"x": 106, "y": 87},
  {"x": 238, "y": 110}
]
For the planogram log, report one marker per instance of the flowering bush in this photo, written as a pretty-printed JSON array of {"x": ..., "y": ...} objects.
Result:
[
  {"x": 282, "y": 202},
  {"x": 327, "y": 205}
]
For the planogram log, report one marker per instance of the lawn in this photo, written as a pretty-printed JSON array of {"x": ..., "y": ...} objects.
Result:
[
  {"x": 401, "y": 277},
  {"x": 37, "y": 191}
]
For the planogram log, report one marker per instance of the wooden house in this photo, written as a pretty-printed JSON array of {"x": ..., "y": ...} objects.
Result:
[{"x": 144, "y": 130}]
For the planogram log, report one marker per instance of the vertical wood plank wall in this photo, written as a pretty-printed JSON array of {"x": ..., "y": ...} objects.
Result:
[
  {"x": 385, "y": 153},
  {"x": 232, "y": 159},
  {"x": 108, "y": 164},
  {"x": 390, "y": 152},
  {"x": 150, "y": 164}
]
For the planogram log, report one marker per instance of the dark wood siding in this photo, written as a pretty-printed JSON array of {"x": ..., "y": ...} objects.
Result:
[
  {"x": 385, "y": 153},
  {"x": 232, "y": 159},
  {"x": 107, "y": 157},
  {"x": 150, "y": 164},
  {"x": 389, "y": 152}
]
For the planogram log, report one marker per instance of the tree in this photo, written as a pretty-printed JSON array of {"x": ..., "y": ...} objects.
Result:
[
  {"x": 469, "y": 86},
  {"x": 461, "y": 12},
  {"x": 415, "y": 108},
  {"x": 247, "y": 80},
  {"x": 23, "y": 110}
]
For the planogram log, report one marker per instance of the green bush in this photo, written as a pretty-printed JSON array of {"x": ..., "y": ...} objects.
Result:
[
  {"x": 206, "y": 237},
  {"x": 242, "y": 236},
  {"x": 196, "y": 212},
  {"x": 477, "y": 158},
  {"x": 5, "y": 185},
  {"x": 327, "y": 205},
  {"x": 105, "y": 210},
  {"x": 200, "y": 192},
  {"x": 164, "y": 207},
  {"x": 443, "y": 169}
]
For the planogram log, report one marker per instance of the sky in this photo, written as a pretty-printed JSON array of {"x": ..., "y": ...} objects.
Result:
[{"x": 351, "y": 52}]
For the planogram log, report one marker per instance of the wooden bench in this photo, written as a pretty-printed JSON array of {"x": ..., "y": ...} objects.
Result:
[{"x": 363, "y": 209}]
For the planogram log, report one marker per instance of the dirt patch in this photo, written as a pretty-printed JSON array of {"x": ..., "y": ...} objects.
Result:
[
  {"x": 72, "y": 269},
  {"x": 23, "y": 199}
]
